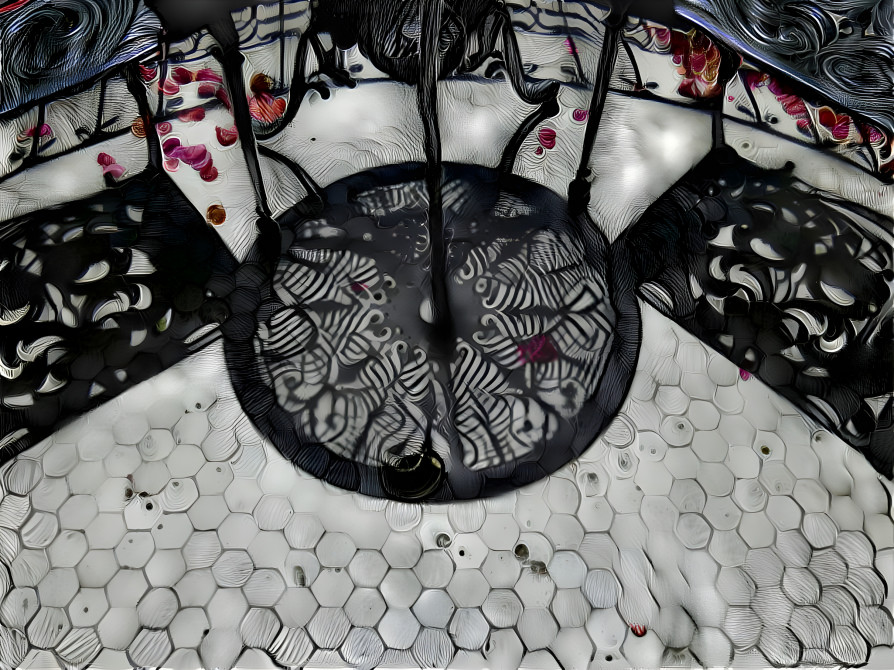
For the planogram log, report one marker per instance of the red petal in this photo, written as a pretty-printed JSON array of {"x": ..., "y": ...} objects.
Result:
[
  {"x": 169, "y": 87},
  {"x": 207, "y": 90},
  {"x": 181, "y": 75},
  {"x": 190, "y": 115},
  {"x": 209, "y": 173},
  {"x": 164, "y": 128},
  {"x": 207, "y": 74},
  {"x": 104, "y": 159},
  {"x": 227, "y": 136},
  {"x": 171, "y": 164},
  {"x": 826, "y": 116},
  {"x": 547, "y": 137}
]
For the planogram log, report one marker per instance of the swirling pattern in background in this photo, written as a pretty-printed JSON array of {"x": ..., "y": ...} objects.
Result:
[
  {"x": 47, "y": 46},
  {"x": 841, "y": 47}
]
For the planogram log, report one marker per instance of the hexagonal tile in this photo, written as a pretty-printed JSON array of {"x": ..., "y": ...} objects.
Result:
[
  {"x": 468, "y": 550},
  {"x": 693, "y": 530},
  {"x": 27, "y": 569},
  {"x": 625, "y": 496},
  {"x": 565, "y": 531},
  {"x": 96, "y": 568},
  {"x": 681, "y": 463},
  {"x": 171, "y": 531},
  {"x": 273, "y": 512},
  {"x": 531, "y": 512},
  {"x": 688, "y": 496},
  {"x": 756, "y": 530},
  {"x": 156, "y": 445},
  {"x": 365, "y": 607},
  {"x": 126, "y": 588},
  {"x": 434, "y": 568},
  {"x": 58, "y": 587},
  {"x": 402, "y": 550},
  {"x": 135, "y": 549},
  {"x": 265, "y": 587},
  {"x": 727, "y": 547},
  {"x": 48, "y": 627},
  {"x": 157, "y": 608},
  {"x": 77, "y": 512},
  {"x": 303, "y": 531},
  {"x": 118, "y": 628},
  {"x": 500, "y": 531},
  {"x": 434, "y": 608},
  {"x": 595, "y": 514},
  {"x": 332, "y": 587},
  {"x": 196, "y": 588},
  {"x": 329, "y": 627},
  {"x": 49, "y": 494},
  {"x": 67, "y": 549},
  {"x": 722, "y": 513},
  {"x": 178, "y": 495},
  {"x": 208, "y": 512},
  {"x": 567, "y": 570},
  {"x": 227, "y": 608},
  {"x": 501, "y": 569},
  {"x": 335, "y": 550},
  {"x": 237, "y": 531},
  {"x": 269, "y": 549},
  {"x": 243, "y": 495},
  {"x": 88, "y": 607},
  {"x": 105, "y": 531},
  {"x": 400, "y": 587},
  {"x": 260, "y": 627},
  {"x": 715, "y": 479},
  {"x": 398, "y": 628},
  {"x": 535, "y": 590},
  {"x": 468, "y": 628},
  {"x": 811, "y": 496},
  {"x": 653, "y": 478},
  {"x": 296, "y": 607},
  {"x": 185, "y": 460},
  {"x": 468, "y": 588},
  {"x": 165, "y": 568},
  {"x": 363, "y": 647},
  {"x": 188, "y": 627},
  {"x": 764, "y": 567},
  {"x": 570, "y": 608},
  {"x": 537, "y": 628},
  {"x": 150, "y": 478},
  {"x": 502, "y": 607},
  {"x": 232, "y": 568}
]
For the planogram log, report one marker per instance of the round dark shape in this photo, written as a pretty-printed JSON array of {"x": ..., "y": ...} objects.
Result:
[{"x": 364, "y": 375}]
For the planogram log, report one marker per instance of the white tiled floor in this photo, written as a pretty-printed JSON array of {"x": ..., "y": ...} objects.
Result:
[{"x": 712, "y": 515}]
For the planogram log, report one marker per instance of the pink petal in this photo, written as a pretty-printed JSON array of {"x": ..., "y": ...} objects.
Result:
[
  {"x": 172, "y": 164},
  {"x": 105, "y": 160},
  {"x": 117, "y": 171},
  {"x": 744, "y": 375},
  {"x": 207, "y": 74}
]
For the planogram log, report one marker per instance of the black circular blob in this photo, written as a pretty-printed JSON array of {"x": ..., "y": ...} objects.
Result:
[{"x": 348, "y": 361}]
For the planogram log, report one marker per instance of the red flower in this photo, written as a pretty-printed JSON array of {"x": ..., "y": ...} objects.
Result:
[
  {"x": 547, "y": 138},
  {"x": 698, "y": 59},
  {"x": 264, "y": 107},
  {"x": 839, "y": 124}
]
